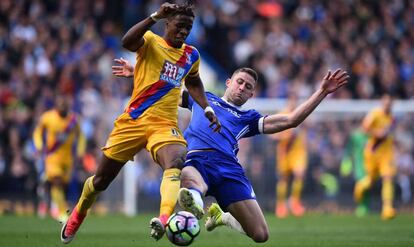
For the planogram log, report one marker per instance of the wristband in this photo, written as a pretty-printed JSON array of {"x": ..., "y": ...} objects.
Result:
[
  {"x": 208, "y": 109},
  {"x": 154, "y": 16}
]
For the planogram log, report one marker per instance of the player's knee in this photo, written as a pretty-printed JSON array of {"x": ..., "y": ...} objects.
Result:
[
  {"x": 260, "y": 236},
  {"x": 177, "y": 162},
  {"x": 259, "y": 233},
  {"x": 100, "y": 183},
  {"x": 188, "y": 182},
  {"x": 185, "y": 178}
]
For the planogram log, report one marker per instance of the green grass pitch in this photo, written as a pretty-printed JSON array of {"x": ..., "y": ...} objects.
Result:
[{"x": 311, "y": 230}]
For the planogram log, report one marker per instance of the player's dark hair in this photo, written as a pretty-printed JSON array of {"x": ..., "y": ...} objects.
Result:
[
  {"x": 186, "y": 8},
  {"x": 249, "y": 71}
]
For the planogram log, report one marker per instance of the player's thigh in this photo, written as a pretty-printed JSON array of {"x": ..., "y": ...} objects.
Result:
[
  {"x": 387, "y": 168},
  {"x": 298, "y": 164},
  {"x": 166, "y": 144},
  {"x": 250, "y": 216},
  {"x": 282, "y": 166},
  {"x": 192, "y": 178},
  {"x": 171, "y": 155},
  {"x": 370, "y": 163},
  {"x": 58, "y": 171},
  {"x": 126, "y": 139}
]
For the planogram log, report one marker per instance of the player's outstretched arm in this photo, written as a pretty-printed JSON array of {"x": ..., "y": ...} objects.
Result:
[
  {"x": 133, "y": 39},
  {"x": 196, "y": 90},
  {"x": 330, "y": 83},
  {"x": 124, "y": 69}
]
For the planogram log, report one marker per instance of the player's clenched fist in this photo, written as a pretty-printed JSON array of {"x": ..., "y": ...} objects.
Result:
[{"x": 165, "y": 10}]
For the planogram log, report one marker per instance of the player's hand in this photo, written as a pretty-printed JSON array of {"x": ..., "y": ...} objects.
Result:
[
  {"x": 166, "y": 10},
  {"x": 125, "y": 69},
  {"x": 214, "y": 122},
  {"x": 331, "y": 82}
]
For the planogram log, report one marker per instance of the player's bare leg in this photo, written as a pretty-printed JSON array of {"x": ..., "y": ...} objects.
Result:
[
  {"x": 105, "y": 174},
  {"x": 243, "y": 216},
  {"x": 193, "y": 188},
  {"x": 171, "y": 158}
]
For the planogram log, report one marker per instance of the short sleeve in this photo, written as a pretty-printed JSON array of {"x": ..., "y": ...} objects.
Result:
[
  {"x": 255, "y": 124},
  {"x": 196, "y": 65},
  {"x": 148, "y": 39}
]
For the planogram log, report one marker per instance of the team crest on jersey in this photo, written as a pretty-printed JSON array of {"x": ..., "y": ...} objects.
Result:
[
  {"x": 172, "y": 73},
  {"x": 188, "y": 58}
]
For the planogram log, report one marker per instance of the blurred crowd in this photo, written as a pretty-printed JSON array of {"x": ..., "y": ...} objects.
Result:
[
  {"x": 68, "y": 46},
  {"x": 293, "y": 43}
]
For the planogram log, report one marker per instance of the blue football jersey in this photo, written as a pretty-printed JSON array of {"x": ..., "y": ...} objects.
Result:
[{"x": 236, "y": 124}]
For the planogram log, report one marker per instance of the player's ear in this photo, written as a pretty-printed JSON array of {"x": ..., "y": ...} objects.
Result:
[{"x": 228, "y": 82}]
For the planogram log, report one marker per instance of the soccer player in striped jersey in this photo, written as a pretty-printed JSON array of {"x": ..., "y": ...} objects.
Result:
[
  {"x": 54, "y": 137},
  {"x": 379, "y": 124},
  {"x": 150, "y": 118},
  {"x": 292, "y": 157}
]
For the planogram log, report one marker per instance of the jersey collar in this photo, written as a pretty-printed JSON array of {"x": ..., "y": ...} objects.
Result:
[{"x": 238, "y": 107}]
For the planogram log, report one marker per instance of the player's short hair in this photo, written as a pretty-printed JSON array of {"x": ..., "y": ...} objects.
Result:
[
  {"x": 186, "y": 9},
  {"x": 247, "y": 70}
]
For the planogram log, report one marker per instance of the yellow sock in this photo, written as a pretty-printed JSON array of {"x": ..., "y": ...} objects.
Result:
[
  {"x": 297, "y": 186},
  {"x": 281, "y": 190},
  {"x": 170, "y": 186},
  {"x": 88, "y": 196},
  {"x": 387, "y": 193},
  {"x": 361, "y": 187},
  {"x": 58, "y": 196}
]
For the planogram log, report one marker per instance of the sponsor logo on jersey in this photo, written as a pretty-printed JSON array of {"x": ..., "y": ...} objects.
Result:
[
  {"x": 172, "y": 73},
  {"x": 237, "y": 115}
]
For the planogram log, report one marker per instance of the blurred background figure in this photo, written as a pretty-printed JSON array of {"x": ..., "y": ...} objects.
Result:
[
  {"x": 56, "y": 136},
  {"x": 292, "y": 158},
  {"x": 353, "y": 163},
  {"x": 379, "y": 156}
]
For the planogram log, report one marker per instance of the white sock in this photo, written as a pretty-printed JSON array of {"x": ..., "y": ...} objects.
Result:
[
  {"x": 231, "y": 222},
  {"x": 197, "y": 197}
]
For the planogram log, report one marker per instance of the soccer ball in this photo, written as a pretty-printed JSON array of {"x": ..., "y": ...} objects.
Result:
[{"x": 182, "y": 228}]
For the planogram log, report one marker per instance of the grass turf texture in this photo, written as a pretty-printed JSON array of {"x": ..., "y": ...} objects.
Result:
[{"x": 311, "y": 230}]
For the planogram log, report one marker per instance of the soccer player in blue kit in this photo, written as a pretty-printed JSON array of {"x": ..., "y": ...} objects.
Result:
[{"x": 212, "y": 167}]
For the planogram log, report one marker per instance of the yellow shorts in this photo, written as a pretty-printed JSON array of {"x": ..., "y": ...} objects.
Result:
[
  {"x": 129, "y": 136},
  {"x": 290, "y": 162},
  {"x": 379, "y": 162},
  {"x": 58, "y": 169}
]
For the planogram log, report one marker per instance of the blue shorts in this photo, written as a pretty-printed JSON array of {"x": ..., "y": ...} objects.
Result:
[{"x": 223, "y": 175}]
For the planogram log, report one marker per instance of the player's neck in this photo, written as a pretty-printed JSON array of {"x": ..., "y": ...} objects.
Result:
[
  {"x": 229, "y": 102},
  {"x": 169, "y": 43}
]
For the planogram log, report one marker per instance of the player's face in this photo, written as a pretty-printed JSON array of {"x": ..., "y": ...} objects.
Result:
[
  {"x": 177, "y": 29},
  {"x": 240, "y": 88},
  {"x": 62, "y": 106},
  {"x": 387, "y": 103}
]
